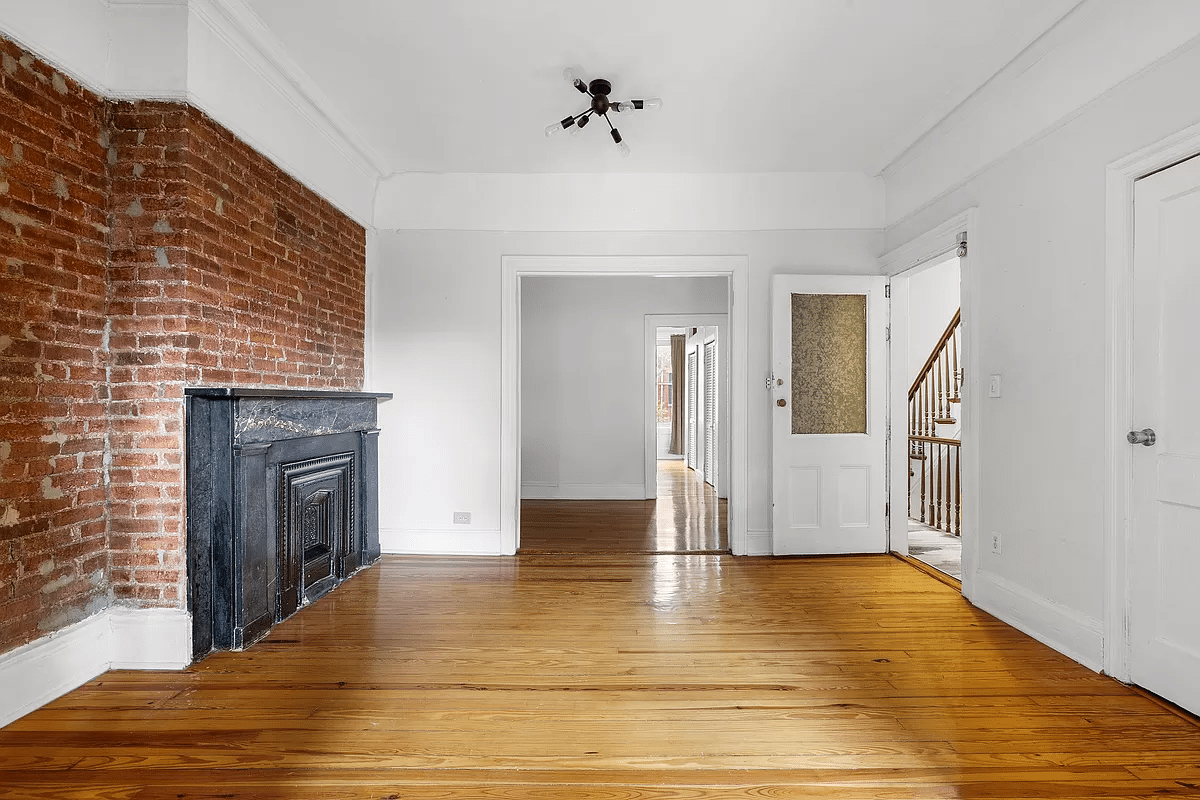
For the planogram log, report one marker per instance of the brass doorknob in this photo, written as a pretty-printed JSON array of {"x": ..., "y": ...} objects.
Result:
[{"x": 781, "y": 402}]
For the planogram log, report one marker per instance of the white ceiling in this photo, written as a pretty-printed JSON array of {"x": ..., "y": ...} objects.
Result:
[{"x": 747, "y": 85}]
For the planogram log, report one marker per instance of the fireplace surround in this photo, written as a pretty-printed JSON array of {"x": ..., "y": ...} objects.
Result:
[{"x": 282, "y": 499}]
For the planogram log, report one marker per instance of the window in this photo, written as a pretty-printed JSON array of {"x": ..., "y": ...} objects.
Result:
[{"x": 662, "y": 371}]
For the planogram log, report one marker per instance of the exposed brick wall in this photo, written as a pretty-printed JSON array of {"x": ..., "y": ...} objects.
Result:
[
  {"x": 53, "y": 421},
  {"x": 147, "y": 249},
  {"x": 225, "y": 271},
  {"x": 148, "y": 314}
]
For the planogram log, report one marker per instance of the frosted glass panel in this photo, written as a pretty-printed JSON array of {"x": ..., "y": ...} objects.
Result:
[{"x": 829, "y": 363}]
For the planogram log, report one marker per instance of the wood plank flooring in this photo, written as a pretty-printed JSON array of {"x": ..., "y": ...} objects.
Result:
[
  {"x": 687, "y": 517},
  {"x": 615, "y": 677}
]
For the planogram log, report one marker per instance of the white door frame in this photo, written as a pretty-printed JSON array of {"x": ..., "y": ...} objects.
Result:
[
  {"x": 1118, "y": 407},
  {"x": 513, "y": 268},
  {"x": 934, "y": 245},
  {"x": 653, "y": 323}
]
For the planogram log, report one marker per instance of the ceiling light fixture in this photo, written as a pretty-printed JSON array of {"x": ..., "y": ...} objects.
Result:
[{"x": 599, "y": 90}]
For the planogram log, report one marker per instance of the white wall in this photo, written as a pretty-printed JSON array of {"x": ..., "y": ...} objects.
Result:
[
  {"x": 1036, "y": 278},
  {"x": 933, "y": 297},
  {"x": 436, "y": 344},
  {"x": 583, "y": 378}
]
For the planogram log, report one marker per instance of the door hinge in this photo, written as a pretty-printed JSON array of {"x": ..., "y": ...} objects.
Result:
[
  {"x": 962, "y": 244},
  {"x": 887, "y": 333},
  {"x": 887, "y": 290}
]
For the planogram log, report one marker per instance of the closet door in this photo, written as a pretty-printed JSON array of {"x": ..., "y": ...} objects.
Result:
[
  {"x": 692, "y": 398},
  {"x": 710, "y": 412}
]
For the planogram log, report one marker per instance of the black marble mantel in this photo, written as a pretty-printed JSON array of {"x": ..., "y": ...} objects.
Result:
[{"x": 282, "y": 504}]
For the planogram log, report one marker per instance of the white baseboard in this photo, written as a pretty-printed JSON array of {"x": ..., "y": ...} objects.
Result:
[
  {"x": 583, "y": 491},
  {"x": 758, "y": 543},
  {"x": 116, "y": 638},
  {"x": 1073, "y": 634},
  {"x": 150, "y": 638},
  {"x": 465, "y": 542}
]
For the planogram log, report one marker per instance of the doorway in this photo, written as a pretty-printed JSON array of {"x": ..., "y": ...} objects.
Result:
[
  {"x": 584, "y": 424},
  {"x": 913, "y": 263},
  {"x": 932, "y": 367}
]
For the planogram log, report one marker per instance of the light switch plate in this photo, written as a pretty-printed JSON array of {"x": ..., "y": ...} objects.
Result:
[{"x": 993, "y": 386}]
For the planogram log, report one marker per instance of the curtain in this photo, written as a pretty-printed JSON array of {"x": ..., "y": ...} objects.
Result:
[{"x": 678, "y": 362}]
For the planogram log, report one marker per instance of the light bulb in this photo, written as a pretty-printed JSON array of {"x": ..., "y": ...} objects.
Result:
[
  {"x": 562, "y": 125},
  {"x": 623, "y": 149},
  {"x": 569, "y": 76},
  {"x": 626, "y": 105},
  {"x": 653, "y": 103}
]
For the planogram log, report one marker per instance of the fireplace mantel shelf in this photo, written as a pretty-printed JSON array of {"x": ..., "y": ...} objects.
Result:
[{"x": 246, "y": 391}]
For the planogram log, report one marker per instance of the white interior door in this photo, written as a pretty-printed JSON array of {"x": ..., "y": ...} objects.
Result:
[
  {"x": 1165, "y": 526},
  {"x": 691, "y": 409},
  {"x": 829, "y": 417},
  {"x": 710, "y": 412}
]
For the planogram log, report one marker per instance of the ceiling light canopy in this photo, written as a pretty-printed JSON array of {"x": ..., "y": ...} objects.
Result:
[{"x": 599, "y": 89}]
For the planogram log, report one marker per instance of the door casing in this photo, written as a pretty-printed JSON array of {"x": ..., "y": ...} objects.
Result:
[
  {"x": 932, "y": 245},
  {"x": 513, "y": 268}
]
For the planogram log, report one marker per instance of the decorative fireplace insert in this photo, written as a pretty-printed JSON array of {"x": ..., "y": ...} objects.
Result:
[{"x": 282, "y": 504}]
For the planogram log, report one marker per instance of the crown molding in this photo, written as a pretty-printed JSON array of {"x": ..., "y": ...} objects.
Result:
[
  {"x": 1092, "y": 50},
  {"x": 247, "y": 35}
]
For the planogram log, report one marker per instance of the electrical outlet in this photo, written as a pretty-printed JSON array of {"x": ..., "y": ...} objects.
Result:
[
  {"x": 996, "y": 542},
  {"x": 462, "y": 517}
]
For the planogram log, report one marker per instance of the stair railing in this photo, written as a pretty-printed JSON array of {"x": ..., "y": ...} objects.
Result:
[{"x": 936, "y": 499}]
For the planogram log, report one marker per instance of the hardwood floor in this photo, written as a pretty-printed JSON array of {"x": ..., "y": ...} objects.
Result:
[
  {"x": 687, "y": 517},
  {"x": 611, "y": 677}
]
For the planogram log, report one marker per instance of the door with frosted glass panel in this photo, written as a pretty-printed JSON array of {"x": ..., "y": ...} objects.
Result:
[{"x": 828, "y": 408}]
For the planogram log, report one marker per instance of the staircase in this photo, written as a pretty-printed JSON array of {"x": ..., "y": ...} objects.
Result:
[{"x": 935, "y": 469}]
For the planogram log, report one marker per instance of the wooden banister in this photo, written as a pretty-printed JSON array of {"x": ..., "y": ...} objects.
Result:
[
  {"x": 931, "y": 400},
  {"x": 937, "y": 351}
]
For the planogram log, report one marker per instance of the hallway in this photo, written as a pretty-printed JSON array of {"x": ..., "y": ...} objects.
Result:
[
  {"x": 687, "y": 517},
  {"x": 614, "y": 676}
]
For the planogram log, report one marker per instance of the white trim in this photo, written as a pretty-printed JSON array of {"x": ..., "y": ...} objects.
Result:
[
  {"x": 1067, "y": 631},
  {"x": 150, "y": 638},
  {"x": 652, "y": 323},
  {"x": 248, "y": 36},
  {"x": 1118, "y": 407},
  {"x": 41, "y": 671},
  {"x": 934, "y": 244},
  {"x": 758, "y": 543},
  {"x": 537, "y": 490},
  {"x": 513, "y": 267},
  {"x": 442, "y": 541},
  {"x": 1049, "y": 84},
  {"x": 116, "y": 638}
]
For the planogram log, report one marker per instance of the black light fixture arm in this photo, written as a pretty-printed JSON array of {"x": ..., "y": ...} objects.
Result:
[{"x": 599, "y": 89}]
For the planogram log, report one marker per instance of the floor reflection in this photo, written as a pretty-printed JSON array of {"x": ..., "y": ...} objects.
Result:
[{"x": 687, "y": 517}]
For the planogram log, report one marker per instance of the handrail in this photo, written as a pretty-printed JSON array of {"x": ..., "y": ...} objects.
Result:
[
  {"x": 937, "y": 351},
  {"x": 935, "y": 493},
  {"x": 934, "y": 440}
]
